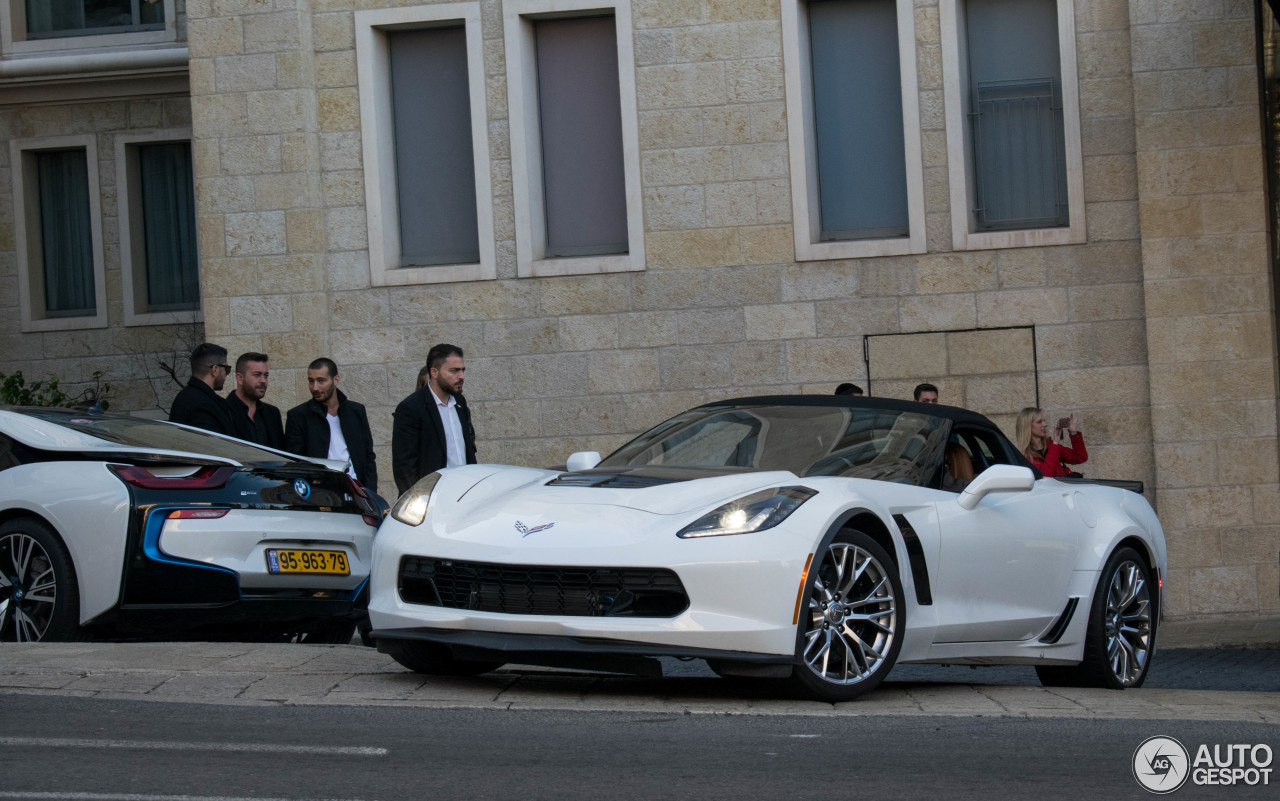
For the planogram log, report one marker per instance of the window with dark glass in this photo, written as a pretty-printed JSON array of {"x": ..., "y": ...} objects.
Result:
[
  {"x": 47, "y": 19},
  {"x": 66, "y": 233},
  {"x": 169, "y": 226},
  {"x": 435, "y": 163},
  {"x": 580, "y": 116},
  {"x": 857, "y": 109},
  {"x": 1015, "y": 96}
]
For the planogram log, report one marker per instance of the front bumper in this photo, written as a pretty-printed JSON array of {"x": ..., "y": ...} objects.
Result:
[
  {"x": 592, "y": 653},
  {"x": 742, "y": 589}
]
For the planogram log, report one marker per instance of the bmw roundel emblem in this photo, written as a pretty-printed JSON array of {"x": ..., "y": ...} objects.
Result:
[{"x": 301, "y": 487}]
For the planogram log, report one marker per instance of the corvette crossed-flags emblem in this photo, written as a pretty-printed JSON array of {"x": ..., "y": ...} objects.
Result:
[{"x": 526, "y": 531}]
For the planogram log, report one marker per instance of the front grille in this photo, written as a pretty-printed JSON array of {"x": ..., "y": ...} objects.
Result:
[{"x": 542, "y": 590}]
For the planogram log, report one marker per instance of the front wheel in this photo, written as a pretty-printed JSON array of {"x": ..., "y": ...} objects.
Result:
[
  {"x": 1119, "y": 640},
  {"x": 851, "y": 631}
]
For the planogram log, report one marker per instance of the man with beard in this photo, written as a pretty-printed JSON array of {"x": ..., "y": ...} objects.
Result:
[
  {"x": 329, "y": 426},
  {"x": 252, "y": 418},
  {"x": 199, "y": 404},
  {"x": 433, "y": 425}
]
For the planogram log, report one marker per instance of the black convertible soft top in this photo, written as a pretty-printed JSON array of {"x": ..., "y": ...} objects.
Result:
[{"x": 953, "y": 413}]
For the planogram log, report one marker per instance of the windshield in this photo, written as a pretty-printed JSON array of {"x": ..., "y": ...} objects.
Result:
[
  {"x": 138, "y": 432},
  {"x": 806, "y": 440}
]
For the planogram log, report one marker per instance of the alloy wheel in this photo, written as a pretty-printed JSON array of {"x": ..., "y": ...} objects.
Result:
[
  {"x": 853, "y": 617},
  {"x": 28, "y": 589},
  {"x": 1128, "y": 622}
]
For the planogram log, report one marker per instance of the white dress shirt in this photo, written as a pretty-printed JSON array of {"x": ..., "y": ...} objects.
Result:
[
  {"x": 455, "y": 446},
  {"x": 338, "y": 444}
]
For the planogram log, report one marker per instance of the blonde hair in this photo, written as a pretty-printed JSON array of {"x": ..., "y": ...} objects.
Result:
[
  {"x": 423, "y": 375},
  {"x": 1022, "y": 432}
]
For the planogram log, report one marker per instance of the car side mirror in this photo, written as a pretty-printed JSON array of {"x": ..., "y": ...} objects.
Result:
[
  {"x": 582, "y": 460},
  {"x": 997, "y": 478}
]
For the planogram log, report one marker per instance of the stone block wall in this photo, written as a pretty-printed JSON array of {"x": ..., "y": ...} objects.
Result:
[
  {"x": 128, "y": 357},
  {"x": 1209, "y": 301},
  {"x": 722, "y": 308}
]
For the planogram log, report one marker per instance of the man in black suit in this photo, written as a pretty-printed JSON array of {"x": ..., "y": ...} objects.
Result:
[
  {"x": 252, "y": 418},
  {"x": 433, "y": 425},
  {"x": 329, "y": 426},
  {"x": 199, "y": 404}
]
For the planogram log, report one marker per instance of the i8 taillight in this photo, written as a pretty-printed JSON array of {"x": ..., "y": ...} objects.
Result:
[
  {"x": 358, "y": 488},
  {"x": 197, "y": 514},
  {"x": 204, "y": 478}
]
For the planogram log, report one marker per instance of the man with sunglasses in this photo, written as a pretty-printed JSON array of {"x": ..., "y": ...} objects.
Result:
[{"x": 199, "y": 404}]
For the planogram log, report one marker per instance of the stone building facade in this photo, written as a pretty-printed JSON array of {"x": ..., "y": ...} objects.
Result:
[{"x": 1150, "y": 309}]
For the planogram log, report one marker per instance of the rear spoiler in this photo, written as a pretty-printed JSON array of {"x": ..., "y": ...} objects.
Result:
[{"x": 1132, "y": 486}]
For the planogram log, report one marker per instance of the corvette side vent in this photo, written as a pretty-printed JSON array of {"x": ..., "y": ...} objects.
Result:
[{"x": 542, "y": 590}]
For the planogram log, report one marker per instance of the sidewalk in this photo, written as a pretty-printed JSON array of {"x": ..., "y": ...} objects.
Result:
[
  {"x": 284, "y": 674},
  {"x": 1222, "y": 632}
]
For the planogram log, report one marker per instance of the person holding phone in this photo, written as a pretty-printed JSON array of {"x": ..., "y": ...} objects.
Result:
[{"x": 1050, "y": 456}]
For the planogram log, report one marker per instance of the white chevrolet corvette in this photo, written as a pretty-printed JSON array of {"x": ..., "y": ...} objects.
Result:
[{"x": 801, "y": 536}]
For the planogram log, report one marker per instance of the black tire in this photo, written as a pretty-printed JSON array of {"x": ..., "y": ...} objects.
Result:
[
  {"x": 32, "y": 557},
  {"x": 1115, "y": 656},
  {"x": 433, "y": 659},
  {"x": 875, "y": 590}
]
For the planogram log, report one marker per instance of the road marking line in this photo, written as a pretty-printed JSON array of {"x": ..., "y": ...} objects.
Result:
[
  {"x": 41, "y": 796},
  {"x": 157, "y": 745}
]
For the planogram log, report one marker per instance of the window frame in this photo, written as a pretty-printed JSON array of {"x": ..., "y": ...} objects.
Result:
[
  {"x": 803, "y": 150},
  {"x": 26, "y": 222},
  {"x": 526, "y": 145},
  {"x": 133, "y": 260},
  {"x": 13, "y": 38},
  {"x": 957, "y": 103},
  {"x": 373, "y": 65}
]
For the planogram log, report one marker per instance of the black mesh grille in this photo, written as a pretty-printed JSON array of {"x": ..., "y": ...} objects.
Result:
[{"x": 542, "y": 590}]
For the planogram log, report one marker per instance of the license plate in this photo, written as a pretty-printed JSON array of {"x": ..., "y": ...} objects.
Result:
[{"x": 280, "y": 560}]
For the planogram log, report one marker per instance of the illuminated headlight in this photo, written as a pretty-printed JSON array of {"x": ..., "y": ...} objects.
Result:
[
  {"x": 755, "y": 512},
  {"x": 411, "y": 509}
]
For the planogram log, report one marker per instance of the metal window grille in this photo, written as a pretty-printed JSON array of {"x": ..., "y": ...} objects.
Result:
[{"x": 1019, "y": 155}]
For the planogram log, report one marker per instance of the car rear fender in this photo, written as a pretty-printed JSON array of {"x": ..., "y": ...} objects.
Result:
[{"x": 88, "y": 507}]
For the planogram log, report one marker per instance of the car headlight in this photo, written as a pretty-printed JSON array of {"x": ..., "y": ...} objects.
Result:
[
  {"x": 755, "y": 512},
  {"x": 411, "y": 509}
]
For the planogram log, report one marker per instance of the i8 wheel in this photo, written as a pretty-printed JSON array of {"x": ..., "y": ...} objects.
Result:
[
  {"x": 851, "y": 631},
  {"x": 38, "y": 598},
  {"x": 1120, "y": 637}
]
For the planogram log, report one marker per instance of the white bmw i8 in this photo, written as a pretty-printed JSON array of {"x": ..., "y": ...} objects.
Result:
[{"x": 820, "y": 539}]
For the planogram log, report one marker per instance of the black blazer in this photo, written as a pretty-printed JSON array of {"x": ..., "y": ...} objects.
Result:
[
  {"x": 306, "y": 432},
  {"x": 247, "y": 429},
  {"x": 417, "y": 438},
  {"x": 198, "y": 405}
]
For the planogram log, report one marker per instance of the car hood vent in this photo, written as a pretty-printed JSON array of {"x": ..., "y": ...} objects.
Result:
[{"x": 635, "y": 477}]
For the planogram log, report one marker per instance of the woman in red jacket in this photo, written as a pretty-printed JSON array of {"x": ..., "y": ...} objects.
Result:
[{"x": 1050, "y": 457}]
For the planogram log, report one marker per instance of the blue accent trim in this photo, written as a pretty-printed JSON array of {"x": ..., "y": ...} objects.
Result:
[{"x": 151, "y": 543}]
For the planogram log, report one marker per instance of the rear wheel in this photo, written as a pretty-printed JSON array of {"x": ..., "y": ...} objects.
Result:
[
  {"x": 852, "y": 629},
  {"x": 433, "y": 659},
  {"x": 38, "y": 595},
  {"x": 1117, "y": 646}
]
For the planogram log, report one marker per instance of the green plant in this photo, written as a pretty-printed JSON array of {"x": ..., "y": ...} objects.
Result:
[{"x": 15, "y": 391}]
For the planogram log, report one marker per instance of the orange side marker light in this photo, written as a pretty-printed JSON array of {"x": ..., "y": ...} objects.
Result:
[{"x": 804, "y": 580}]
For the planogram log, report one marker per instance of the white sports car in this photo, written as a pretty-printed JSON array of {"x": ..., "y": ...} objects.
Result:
[
  {"x": 803, "y": 537},
  {"x": 120, "y": 526}
]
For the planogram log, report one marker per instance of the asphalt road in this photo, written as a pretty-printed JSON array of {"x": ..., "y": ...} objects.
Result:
[{"x": 112, "y": 750}]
